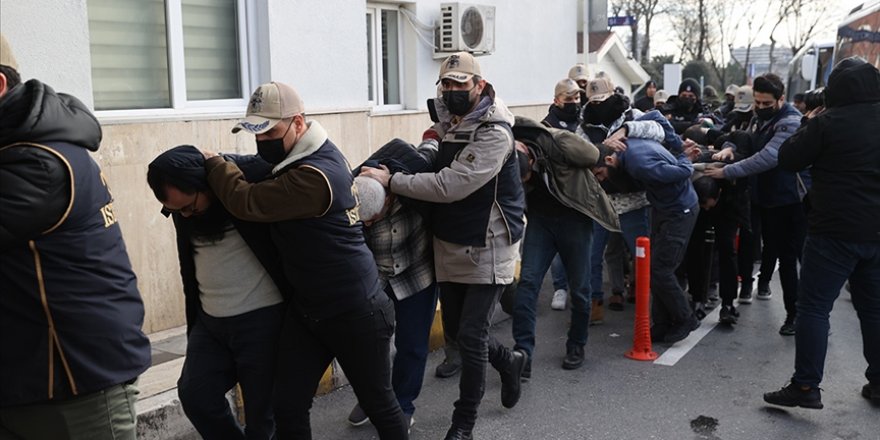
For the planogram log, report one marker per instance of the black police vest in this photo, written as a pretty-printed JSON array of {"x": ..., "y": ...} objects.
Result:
[
  {"x": 70, "y": 313},
  {"x": 466, "y": 221},
  {"x": 326, "y": 258}
]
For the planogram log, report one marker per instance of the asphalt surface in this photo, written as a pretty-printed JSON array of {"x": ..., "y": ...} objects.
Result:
[{"x": 714, "y": 391}]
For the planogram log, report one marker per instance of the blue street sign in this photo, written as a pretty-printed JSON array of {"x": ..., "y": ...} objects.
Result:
[{"x": 624, "y": 20}]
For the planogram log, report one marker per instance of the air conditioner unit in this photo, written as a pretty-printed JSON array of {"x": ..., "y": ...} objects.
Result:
[{"x": 465, "y": 27}]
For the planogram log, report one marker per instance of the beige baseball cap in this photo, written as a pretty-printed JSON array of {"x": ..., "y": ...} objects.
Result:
[
  {"x": 661, "y": 96},
  {"x": 269, "y": 104},
  {"x": 459, "y": 67},
  {"x": 731, "y": 90},
  {"x": 599, "y": 89},
  {"x": 7, "y": 58},
  {"x": 579, "y": 72},
  {"x": 743, "y": 100},
  {"x": 566, "y": 87}
]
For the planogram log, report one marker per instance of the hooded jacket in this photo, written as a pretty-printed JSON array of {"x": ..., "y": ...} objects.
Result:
[
  {"x": 488, "y": 152},
  {"x": 70, "y": 311},
  {"x": 841, "y": 147},
  {"x": 187, "y": 163},
  {"x": 564, "y": 160}
]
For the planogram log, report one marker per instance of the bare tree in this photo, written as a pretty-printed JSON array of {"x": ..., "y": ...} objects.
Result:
[
  {"x": 782, "y": 11},
  {"x": 806, "y": 18},
  {"x": 691, "y": 25},
  {"x": 755, "y": 19},
  {"x": 646, "y": 11},
  {"x": 720, "y": 19}
]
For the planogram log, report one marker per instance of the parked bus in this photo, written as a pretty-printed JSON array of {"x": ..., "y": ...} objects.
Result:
[
  {"x": 859, "y": 34},
  {"x": 809, "y": 68}
]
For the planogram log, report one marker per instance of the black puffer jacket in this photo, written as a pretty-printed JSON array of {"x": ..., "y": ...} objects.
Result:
[
  {"x": 70, "y": 311},
  {"x": 842, "y": 149},
  {"x": 33, "y": 183}
]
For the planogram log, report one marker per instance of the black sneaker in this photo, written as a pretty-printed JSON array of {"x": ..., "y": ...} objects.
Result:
[
  {"x": 357, "y": 417},
  {"x": 658, "y": 332},
  {"x": 511, "y": 378},
  {"x": 787, "y": 328},
  {"x": 795, "y": 395},
  {"x": 871, "y": 391},
  {"x": 527, "y": 371},
  {"x": 615, "y": 303},
  {"x": 681, "y": 331},
  {"x": 728, "y": 315},
  {"x": 448, "y": 368},
  {"x": 745, "y": 296},
  {"x": 764, "y": 291},
  {"x": 574, "y": 357},
  {"x": 458, "y": 433},
  {"x": 699, "y": 310}
]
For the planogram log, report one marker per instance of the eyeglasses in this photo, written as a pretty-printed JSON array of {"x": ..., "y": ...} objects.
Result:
[{"x": 186, "y": 210}]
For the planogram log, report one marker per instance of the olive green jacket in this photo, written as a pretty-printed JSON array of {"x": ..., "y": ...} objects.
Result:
[{"x": 566, "y": 158}]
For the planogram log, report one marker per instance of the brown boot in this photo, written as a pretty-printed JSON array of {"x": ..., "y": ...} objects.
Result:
[{"x": 597, "y": 313}]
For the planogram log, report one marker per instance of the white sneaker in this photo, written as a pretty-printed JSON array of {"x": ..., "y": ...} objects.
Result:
[{"x": 559, "y": 298}]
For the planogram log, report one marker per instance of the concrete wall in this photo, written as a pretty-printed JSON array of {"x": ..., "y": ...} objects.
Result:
[
  {"x": 51, "y": 42},
  {"x": 320, "y": 48},
  {"x": 149, "y": 236}
]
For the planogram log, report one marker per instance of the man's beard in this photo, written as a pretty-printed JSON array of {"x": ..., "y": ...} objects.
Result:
[{"x": 213, "y": 224}]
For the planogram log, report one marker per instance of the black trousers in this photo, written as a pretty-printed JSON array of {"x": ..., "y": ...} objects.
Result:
[
  {"x": 784, "y": 229},
  {"x": 670, "y": 233},
  {"x": 221, "y": 352},
  {"x": 360, "y": 341},
  {"x": 467, "y": 315},
  {"x": 700, "y": 253}
]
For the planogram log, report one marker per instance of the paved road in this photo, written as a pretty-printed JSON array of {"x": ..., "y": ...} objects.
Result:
[{"x": 713, "y": 392}]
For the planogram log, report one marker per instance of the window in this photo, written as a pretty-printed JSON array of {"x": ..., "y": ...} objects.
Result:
[
  {"x": 177, "y": 54},
  {"x": 383, "y": 56}
]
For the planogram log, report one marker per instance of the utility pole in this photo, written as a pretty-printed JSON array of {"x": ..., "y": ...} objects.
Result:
[{"x": 586, "y": 33}]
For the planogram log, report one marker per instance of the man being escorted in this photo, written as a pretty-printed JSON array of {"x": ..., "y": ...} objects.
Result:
[
  {"x": 234, "y": 288},
  {"x": 564, "y": 198},
  {"x": 667, "y": 179},
  {"x": 395, "y": 231},
  {"x": 338, "y": 309},
  {"x": 70, "y": 310},
  {"x": 477, "y": 221},
  {"x": 842, "y": 148}
]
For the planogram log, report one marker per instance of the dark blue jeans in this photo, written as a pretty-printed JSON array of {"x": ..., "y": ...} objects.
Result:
[
  {"x": 570, "y": 236},
  {"x": 670, "y": 233},
  {"x": 361, "y": 341},
  {"x": 827, "y": 264},
  {"x": 221, "y": 352},
  {"x": 557, "y": 270},
  {"x": 414, "y": 318},
  {"x": 633, "y": 224},
  {"x": 467, "y": 315}
]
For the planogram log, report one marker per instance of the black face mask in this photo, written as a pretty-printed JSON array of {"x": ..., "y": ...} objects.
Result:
[
  {"x": 458, "y": 101},
  {"x": 272, "y": 150},
  {"x": 568, "y": 112},
  {"x": 686, "y": 103},
  {"x": 766, "y": 113},
  {"x": 606, "y": 112}
]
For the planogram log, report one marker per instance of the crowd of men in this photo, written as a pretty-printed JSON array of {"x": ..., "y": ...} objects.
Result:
[{"x": 290, "y": 258}]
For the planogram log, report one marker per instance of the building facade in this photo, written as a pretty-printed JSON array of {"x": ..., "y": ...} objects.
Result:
[{"x": 161, "y": 73}]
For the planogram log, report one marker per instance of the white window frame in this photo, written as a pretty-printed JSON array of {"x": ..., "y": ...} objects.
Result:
[
  {"x": 377, "y": 104},
  {"x": 181, "y": 107}
]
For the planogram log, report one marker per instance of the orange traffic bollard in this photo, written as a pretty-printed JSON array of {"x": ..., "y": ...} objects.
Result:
[{"x": 641, "y": 350}]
